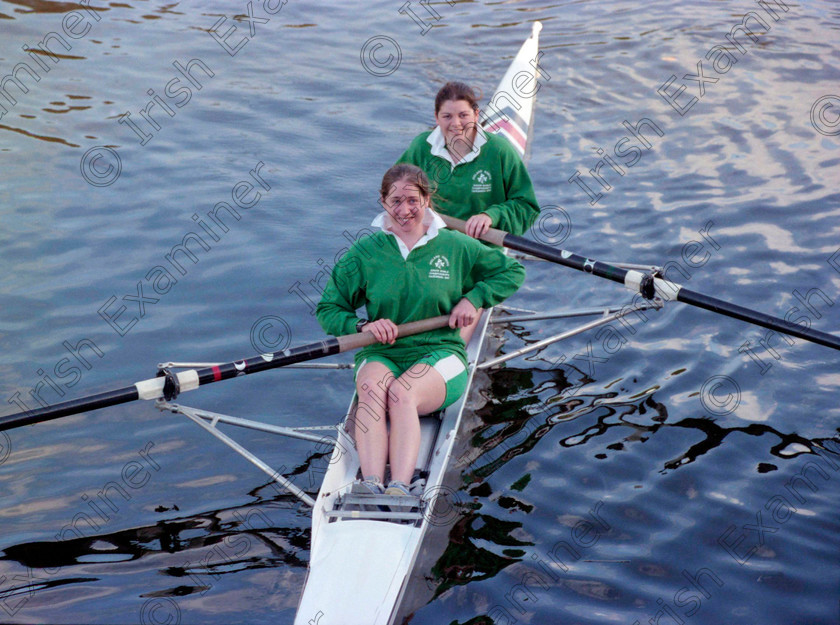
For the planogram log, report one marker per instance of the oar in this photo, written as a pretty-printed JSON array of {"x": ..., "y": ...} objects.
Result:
[
  {"x": 190, "y": 379},
  {"x": 649, "y": 285}
]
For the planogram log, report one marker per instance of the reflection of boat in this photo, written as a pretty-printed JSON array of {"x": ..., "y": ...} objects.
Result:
[
  {"x": 364, "y": 547},
  {"x": 198, "y": 550}
]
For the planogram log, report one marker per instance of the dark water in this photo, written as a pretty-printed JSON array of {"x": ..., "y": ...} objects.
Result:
[{"x": 647, "y": 474}]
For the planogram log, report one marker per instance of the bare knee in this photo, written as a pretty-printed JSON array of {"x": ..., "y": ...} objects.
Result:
[
  {"x": 400, "y": 395},
  {"x": 371, "y": 394},
  {"x": 374, "y": 382},
  {"x": 372, "y": 386}
]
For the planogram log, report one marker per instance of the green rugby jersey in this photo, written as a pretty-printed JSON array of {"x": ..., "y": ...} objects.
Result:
[
  {"x": 494, "y": 182},
  {"x": 427, "y": 283}
]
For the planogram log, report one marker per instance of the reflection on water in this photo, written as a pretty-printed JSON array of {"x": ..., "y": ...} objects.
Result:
[
  {"x": 42, "y": 6},
  {"x": 26, "y": 133},
  {"x": 172, "y": 536},
  {"x": 547, "y": 446},
  {"x": 479, "y": 547},
  {"x": 195, "y": 554},
  {"x": 526, "y": 403},
  {"x": 524, "y": 409}
]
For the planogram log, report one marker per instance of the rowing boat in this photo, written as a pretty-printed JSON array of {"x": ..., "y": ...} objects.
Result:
[
  {"x": 363, "y": 556},
  {"x": 363, "y": 546}
]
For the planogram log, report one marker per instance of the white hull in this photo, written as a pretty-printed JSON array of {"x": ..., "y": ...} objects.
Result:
[{"x": 358, "y": 566}]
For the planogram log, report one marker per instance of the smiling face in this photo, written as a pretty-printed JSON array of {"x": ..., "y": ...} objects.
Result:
[
  {"x": 406, "y": 204},
  {"x": 458, "y": 121}
]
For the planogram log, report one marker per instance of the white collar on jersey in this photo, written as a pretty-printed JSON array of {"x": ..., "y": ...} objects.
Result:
[{"x": 434, "y": 222}]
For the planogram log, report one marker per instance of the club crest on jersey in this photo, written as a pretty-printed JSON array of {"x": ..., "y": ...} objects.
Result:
[
  {"x": 481, "y": 181},
  {"x": 439, "y": 267}
]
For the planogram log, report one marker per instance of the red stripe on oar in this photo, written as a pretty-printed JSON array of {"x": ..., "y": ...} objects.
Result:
[
  {"x": 217, "y": 373},
  {"x": 511, "y": 130}
]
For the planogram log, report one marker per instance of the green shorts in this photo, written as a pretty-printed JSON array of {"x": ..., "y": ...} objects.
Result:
[{"x": 447, "y": 364}]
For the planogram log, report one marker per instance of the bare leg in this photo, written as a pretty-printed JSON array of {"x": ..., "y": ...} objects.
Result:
[
  {"x": 371, "y": 432},
  {"x": 466, "y": 333},
  {"x": 420, "y": 390}
]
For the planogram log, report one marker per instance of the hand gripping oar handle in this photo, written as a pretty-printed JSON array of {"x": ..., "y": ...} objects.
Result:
[
  {"x": 350, "y": 342},
  {"x": 193, "y": 378},
  {"x": 649, "y": 285}
]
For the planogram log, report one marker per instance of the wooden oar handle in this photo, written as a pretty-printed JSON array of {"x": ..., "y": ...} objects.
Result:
[
  {"x": 363, "y": 339},
  {"x": 494, "y": 236}
]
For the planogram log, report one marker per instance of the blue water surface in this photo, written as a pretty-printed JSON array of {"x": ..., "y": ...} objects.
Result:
[{"x": 673, "y": 469}]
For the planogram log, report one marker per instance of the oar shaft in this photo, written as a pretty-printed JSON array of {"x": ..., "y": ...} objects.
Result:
[
  {"x": 758, "y": 318},
  {"x": 71, "y": 407},
  {"x": 565, "y": 258},
  {"x": 665, "y": 288},
  {"x": 193, "y": 378}
]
